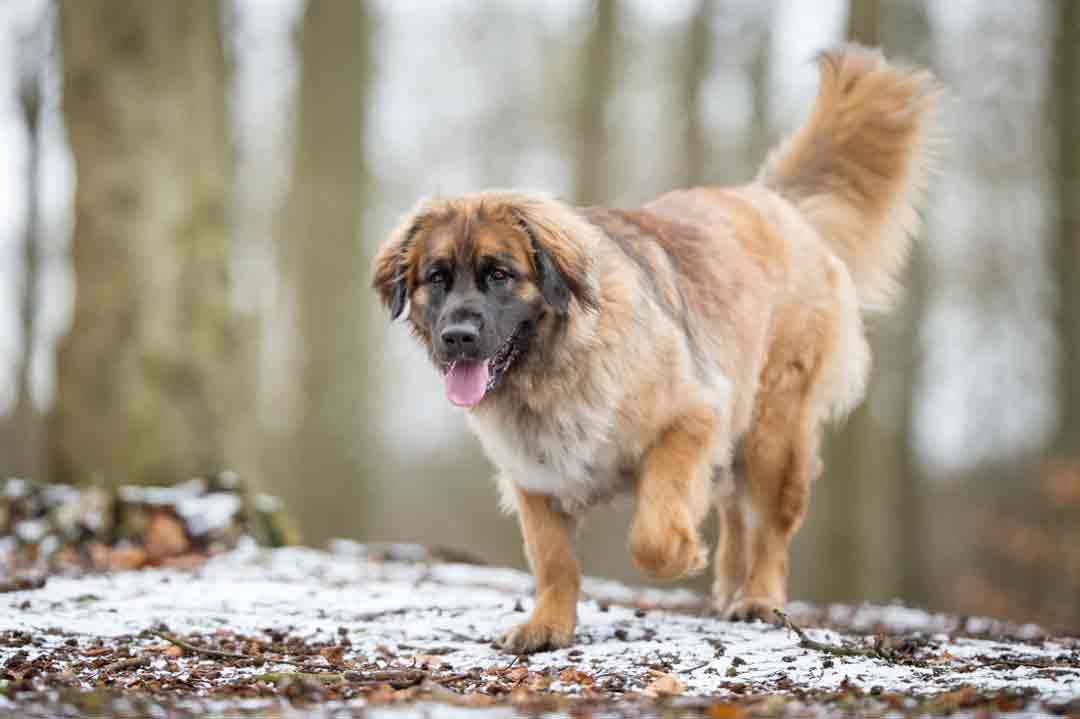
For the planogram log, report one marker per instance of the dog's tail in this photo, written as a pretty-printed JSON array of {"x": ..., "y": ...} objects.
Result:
[{"x": 857, "y": 165}]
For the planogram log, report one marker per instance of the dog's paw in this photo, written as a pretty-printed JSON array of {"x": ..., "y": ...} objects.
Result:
[
  {"x": 535, "y": 637},
  {"x": 747, "y": 609},
  {"x": 669, "y": 553}
]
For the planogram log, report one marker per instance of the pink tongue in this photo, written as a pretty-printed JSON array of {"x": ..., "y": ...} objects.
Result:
[{"x": 466, "y": 382}]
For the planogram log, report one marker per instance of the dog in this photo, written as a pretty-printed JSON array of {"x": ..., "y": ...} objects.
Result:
[{"x": 687, "y": 352}]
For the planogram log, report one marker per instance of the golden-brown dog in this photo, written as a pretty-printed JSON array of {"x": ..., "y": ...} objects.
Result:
[{"x": 688, "y": 351}]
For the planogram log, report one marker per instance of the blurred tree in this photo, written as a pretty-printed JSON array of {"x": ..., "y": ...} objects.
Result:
[
  {"x": 598, "y": 64},
  {"x": 31, "y": 57},
  {"x": 696, "y": 72},
  {"x": 869, "y": 503},
  {"x": 327, "y": 266},
  {"x": 905, "y": 506},
  {"x": 147, "y": 387},
  {"x": 1065, "y": 98},
  {"x": 864, "y": 22},
  {"x": 759, "y": 138},
  {"x": 841, "y": 492}
]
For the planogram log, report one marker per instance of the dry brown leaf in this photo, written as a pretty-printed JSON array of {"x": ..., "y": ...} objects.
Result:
[
  {"x": 164, "y": 536},
  {"x": 516, "y": 674},
  {"x": 664, "y": 685},
  {"x": 334, "y": 654},
  {"x": 574, "y": 676}
]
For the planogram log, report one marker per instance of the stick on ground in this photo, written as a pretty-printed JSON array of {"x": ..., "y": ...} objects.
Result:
[{"x": 836, "y": 649}]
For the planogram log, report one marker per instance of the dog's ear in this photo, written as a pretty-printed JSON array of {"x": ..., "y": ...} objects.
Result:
[
  {"x": 390, "y": 268},
  {"x": 562, "y": 266}
]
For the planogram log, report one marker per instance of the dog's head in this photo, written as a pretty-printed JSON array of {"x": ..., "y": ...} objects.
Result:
[{"x": 485, "y": 277}]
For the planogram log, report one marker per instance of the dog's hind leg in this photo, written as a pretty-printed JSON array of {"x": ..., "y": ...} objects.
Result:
[
  {"x": 781, "y": 461},
  {"x": 730, "y": 564}
]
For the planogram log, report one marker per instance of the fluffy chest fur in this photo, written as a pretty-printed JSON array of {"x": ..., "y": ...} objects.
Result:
[{"x": 568, "y": 455}]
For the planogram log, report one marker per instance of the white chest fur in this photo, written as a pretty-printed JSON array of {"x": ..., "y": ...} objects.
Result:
[{"x": 570, "y": 457}]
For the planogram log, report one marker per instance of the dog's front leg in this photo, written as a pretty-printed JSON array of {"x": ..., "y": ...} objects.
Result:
[
  {"x": 673, "y": 496},
  {"x": 549, "y": 546}
]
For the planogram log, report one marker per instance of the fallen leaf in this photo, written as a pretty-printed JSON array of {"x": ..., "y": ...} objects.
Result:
[
  {"x": 516, "y": 674},
  {"x": 724, "y": 711},
  {"x": 334, "y": 654},
  {"x": 164, "y": 537},
  {"x": 124, "y": 558},
  {"x": 664, "y": 685}
]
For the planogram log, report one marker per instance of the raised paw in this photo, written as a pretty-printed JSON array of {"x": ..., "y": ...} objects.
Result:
[
  {"x": 667, "y": 553},
  {"x": 535, "y": 637},
  {"x": 747, "y": 609}
]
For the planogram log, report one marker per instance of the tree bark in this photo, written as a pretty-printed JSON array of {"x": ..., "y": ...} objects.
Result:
[
  {"x": 328, "y": 266},
  {"x": 906, "y": 505},
  {"x": 864, "y": 22},
  {"x": 759, "y": 137},
  {"x": 843, "y": 492},
  {"x": 597, "y": 87},
  {"x": 31, "y": 57},
  {"x": 147, "y": 387},
  {"x": 1065, "y": 95},
  {"x": 696, "y": 72}
]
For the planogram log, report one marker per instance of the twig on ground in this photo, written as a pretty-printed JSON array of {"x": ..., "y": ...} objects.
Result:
[
  {"x": 836, "y": 649},
  {"x": 207, "y": 651},
  {"x": 462, "y": 637},
  {"x": 396, "y": 679},
  {"x": 275, "y": 677},
  {"x": 1022, "y": 663},
  {"x": 129, "y": 663},
  {"x": 692, "y": 669},
  {"x": 196, "y": 649}
]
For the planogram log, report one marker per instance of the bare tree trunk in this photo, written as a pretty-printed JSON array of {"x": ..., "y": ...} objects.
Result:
[
  {"x": 698, "y": 49},
  {"x": 597, "y": 87},
  {"x": 147, "y": 390},
  {"x": 873, "y": 487},
  {"x": 908, "y": 20},
  {"x": 31, "y": 56},
  {"x": 1065, "y": 94},
  {"x": 759, "y": 137},
  {"x": 841, "y": 494},
  {"x": 328, "y": 263},
  {"x": 864, "y": 22}
]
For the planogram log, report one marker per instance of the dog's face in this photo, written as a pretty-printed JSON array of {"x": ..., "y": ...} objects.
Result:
[{"x": 484, "y": 280}]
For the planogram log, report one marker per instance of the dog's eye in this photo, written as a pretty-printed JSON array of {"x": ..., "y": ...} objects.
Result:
[
  {"x": 437, "y": 277},
  {"x": 497, "y": 275}
]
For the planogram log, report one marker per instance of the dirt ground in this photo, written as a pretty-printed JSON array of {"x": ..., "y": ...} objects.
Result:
[{"x": 389, "y": 631}]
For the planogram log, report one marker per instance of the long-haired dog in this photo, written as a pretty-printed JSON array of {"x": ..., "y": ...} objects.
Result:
[{"x": 688, "y": 351}]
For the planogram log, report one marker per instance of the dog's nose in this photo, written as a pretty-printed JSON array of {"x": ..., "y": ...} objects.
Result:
[{"x": 460, "y": 336}]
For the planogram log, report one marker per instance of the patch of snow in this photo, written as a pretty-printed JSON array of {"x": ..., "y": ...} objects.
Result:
[
  {"x": 211, "y": 512},
  {"x": 162, "y": 496},
  {"x": 31, "y": 530},
  {"x": 463, "y": 608},
  {"x": 14, "y": 488}
]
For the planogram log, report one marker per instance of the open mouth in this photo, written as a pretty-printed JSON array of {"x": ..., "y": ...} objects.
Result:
[{"x": 468, "y": 381}]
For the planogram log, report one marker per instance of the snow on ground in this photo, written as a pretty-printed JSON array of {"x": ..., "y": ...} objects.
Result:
[{"x": 394, "y": 614}]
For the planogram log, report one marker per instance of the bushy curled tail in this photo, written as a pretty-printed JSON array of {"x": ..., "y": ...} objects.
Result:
[{"x": 856, "y": 166}]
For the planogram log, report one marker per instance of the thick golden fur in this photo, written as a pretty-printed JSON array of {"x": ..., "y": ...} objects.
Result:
[{"x": 707, "y": 337}]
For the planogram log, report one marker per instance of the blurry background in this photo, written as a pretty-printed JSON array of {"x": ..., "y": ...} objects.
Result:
[{"x": 190, "y": 193}]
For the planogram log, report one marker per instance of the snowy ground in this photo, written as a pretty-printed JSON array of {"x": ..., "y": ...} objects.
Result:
[{"x": 301, "y": 632}]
